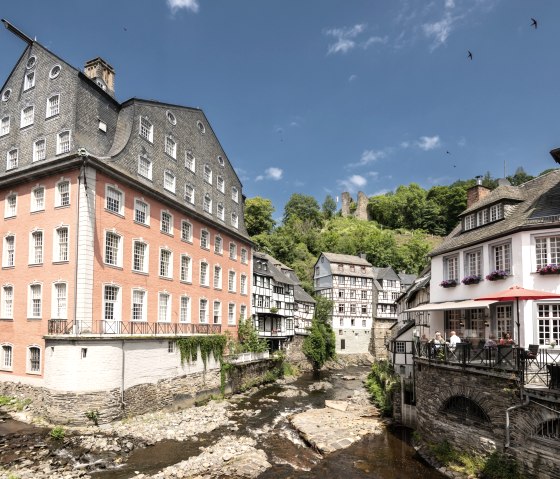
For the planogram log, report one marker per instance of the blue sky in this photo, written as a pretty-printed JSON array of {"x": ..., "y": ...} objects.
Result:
[{"x": 324, "y": 96}]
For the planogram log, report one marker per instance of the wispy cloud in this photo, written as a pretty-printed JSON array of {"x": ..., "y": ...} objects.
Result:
[
  {"x": 369, "y": 156},
  {"x": 428, "y": 143},
  {"x": 348, "y": 38},
  {"x": 462, "y": 142},
  {"x": 352, "y": 183},
  {"x": 176, "y": 5},
  {"x": 271, "y": 173},
  {"x": 380, "y": 192},
  {"x": 439, "y": 31},
  {"x": 351, "y": 78}
]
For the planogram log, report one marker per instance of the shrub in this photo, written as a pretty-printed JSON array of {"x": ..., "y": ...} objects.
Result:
[
  {"x": 57, "y": 433},
  {"x": 381, "y": 384},
  {"x": 93, "y": 416},
  {"x": 500, "y": 466}
]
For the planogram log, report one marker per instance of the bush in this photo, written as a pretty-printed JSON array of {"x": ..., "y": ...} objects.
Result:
[
  {"x": 57, "y": 433},
  {"x": 500, "y": 466},
  {"x": 381, "y": 383}
]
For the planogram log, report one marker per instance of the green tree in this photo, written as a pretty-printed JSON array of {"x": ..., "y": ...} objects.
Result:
[
  {"x": 519, "y": 177},
  {"x": 320, "y": 345},
  {"x": 328, "y": 207},
  {"x": 248, "y": 338},
  {"x": 303, "y": 207},
  {"x": 258, "y": 216}
]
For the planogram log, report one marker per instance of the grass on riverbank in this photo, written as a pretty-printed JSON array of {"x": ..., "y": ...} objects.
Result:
[
  {"x": 13, "y": 403},
  {"x": 381, "y": 383}
]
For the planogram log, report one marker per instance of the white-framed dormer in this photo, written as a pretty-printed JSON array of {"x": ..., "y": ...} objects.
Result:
[
  {"x": 146, "y": 129},
  {"x": 145, "y": 167},
  {"x": 63, "y": 142}
]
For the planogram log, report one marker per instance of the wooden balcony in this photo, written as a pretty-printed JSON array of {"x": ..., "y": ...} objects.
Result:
[{"x": 63, "y": 327}]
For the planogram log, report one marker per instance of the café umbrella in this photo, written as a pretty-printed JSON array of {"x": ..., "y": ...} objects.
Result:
[{"x": 518, "y": 293}]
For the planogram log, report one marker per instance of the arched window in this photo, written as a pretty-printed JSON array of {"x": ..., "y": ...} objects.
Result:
[{"x": 465, "y": 409}]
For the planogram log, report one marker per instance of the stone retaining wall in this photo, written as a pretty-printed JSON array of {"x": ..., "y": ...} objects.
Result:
[
  {"x": 294, "y": 354},
  {"x": 243, "y": 376}
]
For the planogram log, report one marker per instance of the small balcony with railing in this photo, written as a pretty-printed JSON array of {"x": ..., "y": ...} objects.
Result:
[{"x": 108, "y": 329}]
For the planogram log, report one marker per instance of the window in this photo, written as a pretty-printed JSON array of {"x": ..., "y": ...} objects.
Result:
[
  {"x": 63, "y": 142},
  {"x": 482, "y": 217},
  {"x": 9, "y": 251},
  {"x": 31, "y": 62},
  {"x": 244, "y": 256},
  {"x": 7, "y": 358},
  {"x": 231, "y": 314},
  {"x": 111, "y": 307},
  {"x": 59, "y": 301},
  {"x": 8, "y": 302},
  {"x": 242, "y": 312},
  {"x": 170, "y": 147},
  {"x": 217, "y": 317},
  {"x": 140, "y": 257},
  {"x": 5, "y": 126},
  {"x": 166, "y": 222},
  {"x": 112, "y": 249},
  {"x": 114, "y": 202},
  {"x": 35, "y": 301},
  {"x": 217, "y": 277},
  {"x": 364, "y": 294},
  {"x": 547, "y": 251},
  {"x": 364, "y": 309},
  {"x": 169, "y": 181},
  {"x": 204, "y": 273},
  {"x": 186, "y": 270},
  {"x": 231, "y": 281},
  {"x": 220, "y": 211},
  {"x": 189, "y": 194},
  {"x": 207, "y": 174},
  {"x": 141, "y": 212},
  {"x": 501, "y": 255},
  {"x": 34, "y": 360},
  {"x": 171, "y": 118},
  {"x": 235, "y": 194},
  {"x": 55, "y": 71},
  {"x": 61, "y": 248},
  {"x": 186, "y": 231},
  {"x": 53, "y": 106},
  {"x": 36, "y": 248},
  {"x": 185, "y": 310},
  {"x": 496, "y": 212},
  {"x": 207, "y": 203},
  {"x": 234, "y": 220},
  {"x": 220, "y": 161},
  {"x": 203, "y": 311},
  {"x": 218, "y": 245},
  {"x": 190, "y": 161},
  {"x": 352, "y": 309},
  {"x": 233, "y": 251},
  {"x": 469, "y": 222},
  {"x": 204, "y": 239},
  {"x": 220, "y": 183},
  {"x": 472, "y": 263},
  {"x": 146, "y": 129},
  {"x": 39, "y": 150},
  {"x": 27, "y": 116},
  {"x": 164, "y": 308},
  {"x": 201, "y": 126},
  {"x": 6, "y": 94},
  {"x": 341, "y": 308},
  {"x": 165, "y": 263},
  {"x": 138, "y": 305},
  {"x": 145, "y": 167},
  {"x": 451, "y": 268},
  {"x": 29, "y": 81},
  {"x": 243, "y": 284},
  {"x": 38, "y": 199},
  {"x": 549, "y": 323},
  {"x": 12, "y": 159},
  {"x": 62, "y": 197}
]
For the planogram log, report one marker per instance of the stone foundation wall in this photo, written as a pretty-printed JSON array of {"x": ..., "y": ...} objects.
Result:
[
  {"x": 294, "y": 354},
  {"x": 246, "y": 375},
  {"x": 379, "y": 334}
]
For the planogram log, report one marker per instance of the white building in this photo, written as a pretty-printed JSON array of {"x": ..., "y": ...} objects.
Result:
[{"x": 347, "y": 281}]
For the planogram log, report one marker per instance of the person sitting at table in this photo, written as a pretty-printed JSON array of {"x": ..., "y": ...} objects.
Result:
[
  {"x": 507, "y": 340},
  {"x": 454, "y": 340},
  {"x": 491, "y": 342}
]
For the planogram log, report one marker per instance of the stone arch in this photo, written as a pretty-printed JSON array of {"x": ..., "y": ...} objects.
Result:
[
  {"x": 465, "y": 408},
  {"x": 479, "y": 401},
  {"x": 527, "y": 423}
]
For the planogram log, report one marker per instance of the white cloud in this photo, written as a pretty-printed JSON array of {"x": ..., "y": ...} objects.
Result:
[
  {"x": 428, "y": 143},
  {"x": 380, "y": 192},
  {"x": 344, "y": 38},
  {"x": 352, "y": 183},
  {"x": 440, "y": 30},
  {"x": 449, "y": 3},
  {"x": 271, "y": 173},
  {"x": 462, "y": 142},
  {"x": 351, "y": 78},
  {"x": 373, "y": 174},
  {"x": 374, "y": 40},
  {"x": 369, "y": 156},
  {"x": 176, "y": 5}
]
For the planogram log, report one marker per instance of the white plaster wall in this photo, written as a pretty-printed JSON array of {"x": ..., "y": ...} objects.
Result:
[{"x": 144, "y": 362}]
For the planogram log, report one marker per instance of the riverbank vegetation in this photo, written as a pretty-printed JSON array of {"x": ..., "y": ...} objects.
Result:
[
  {"x": 382, "y": 383},
  {"x": 320, "y": 345}
]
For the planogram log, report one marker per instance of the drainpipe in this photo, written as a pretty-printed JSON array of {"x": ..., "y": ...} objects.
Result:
[
  {"x": 508, "y": 410},
  {"x": 81, "y": 152},
  {"x": 122, "y": 376}
]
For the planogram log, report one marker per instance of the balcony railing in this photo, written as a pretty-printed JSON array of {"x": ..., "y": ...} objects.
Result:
[{"x": 109, "y": 328}]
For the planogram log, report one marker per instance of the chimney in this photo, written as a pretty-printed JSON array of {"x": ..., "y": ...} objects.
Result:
[
  {"x": 477, "y": 192},
  {"x": 102, "y": 74}
]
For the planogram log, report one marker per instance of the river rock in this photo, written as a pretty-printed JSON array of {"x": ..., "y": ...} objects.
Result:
[{"x": 320, "y": 386}]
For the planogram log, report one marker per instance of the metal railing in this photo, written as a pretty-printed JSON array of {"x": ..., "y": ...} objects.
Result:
[
  {"x": 108, "y": 328},
  {"x": 543, "y": 369}
]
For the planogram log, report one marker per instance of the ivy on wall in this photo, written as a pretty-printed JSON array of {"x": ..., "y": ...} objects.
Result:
[{"x": 190, "y": 346}]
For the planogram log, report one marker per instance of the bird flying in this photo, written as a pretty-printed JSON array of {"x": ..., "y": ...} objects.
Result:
[
  {"x": 533, "y": 22},
  {"x": 469, "y": 56}
]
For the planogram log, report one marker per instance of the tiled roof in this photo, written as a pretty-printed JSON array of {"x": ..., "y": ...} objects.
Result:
[
  {"x": 273, "y": 271},
  {"x": 407, "y": 279},
  {"x": 540, "y": 206},
  {"x": 385, "y": 273},
  {"x": 346, "y": 258},
  {"x": 301, "y": 296},
  {"x": 501, "y": 193}
]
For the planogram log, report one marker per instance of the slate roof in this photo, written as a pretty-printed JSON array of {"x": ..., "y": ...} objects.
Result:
[
  {"x": 346, "y": 258},
  {"x": 272, "y": 271},
  {"x": 385, "y": 273},
  {"x": 539, "y": 206},
  {"x": 301, "y": 296},
  {"x": 407, "y": 279}
]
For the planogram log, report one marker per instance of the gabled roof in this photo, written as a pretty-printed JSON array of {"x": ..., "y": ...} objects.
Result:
[
  {"x": 538, "y": 207},
  {"x": 301, "y": 296},
  {"x": 272, "y": 271},
  {"x": 385, "y": 273},
  {"x": 407, "y": 279},
  {"x": 498, "y": 195},
  {"x": 346, "y": 258}
]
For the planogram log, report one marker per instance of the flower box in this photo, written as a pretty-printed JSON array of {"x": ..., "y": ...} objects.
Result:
[
  {"x": 448, "y": 283},
  {"x": 473, "y": 279},
  {"x": 549, "y": 269},
  {"x": 497, "y": 275}
]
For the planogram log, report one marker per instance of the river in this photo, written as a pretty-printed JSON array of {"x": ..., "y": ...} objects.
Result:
[{"x": 385, "y": 456}]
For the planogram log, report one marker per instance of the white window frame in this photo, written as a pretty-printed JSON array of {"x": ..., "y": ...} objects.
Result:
[
  {"x": 231, "y": 314},
  {"x": 118, "y": 195},
  {"x": 116, "y": 309},
  {"x": 205, "y": 239},
  {"x": 9, "y": 255},
  {"x": 118, "y": 261},
  {"x": 170, "y": 147},
  {"x": 190, "y": 161},
  {"x": 216, "y": 312},
  {"x": 185, "y": 310},
  {"x": 189, "y": 194},
  {"x": 220, "y": 183},
  {"x": 5, "y": 125},
  {"x": 547, "y": 250},
  {"x": 143, "y": 207},
  {"x": 207, "y": 173},
  {"x": 36, "y": 248},
  {"x": 145, "y": 256},
  {"x": 207, "y": 203},
  {"x": 8, "y": 301},
  {"x": 29, "y": 80},
  {"x": 232, "y": 280},
  {"x": 217, "y": 279},
  {"x": 63, "y": 145},
  {"x": 27, "y": 116},
  {"x": 61, "y": 250},
  {"x": 243, "y": 311},
  {"x": 203, "y": 319},
  {"x": 220, "y": 211},
  {"x": 473, "y": 262},
  {"x": 12, "y": 159},
  {"x": 146, "y": 129},
  {"x": 548, "y": 323},
  {"x": 35, "y": 204},
  {"x": 53, "y": 106},
  {"x": 496, "y": 212},
  {"x": 185, "y": 268},
  {"x": 188, "y": 238},
  {"x": 244, "y": 256},
  {"x": 164, "y": 298},
  {"x": 59, "y": 310},
  {"x": 143, "y": 305},
  {"x": 451, "y": 267},
  {"x": 501, "y": 258},
  {"x": 168, "y": 271},
  {"x": 243, "y": 284},
  {"x": 6, "y": 360},
  {"x": 145, "y": 167},
  {"x": 204, "y": 276},
  {"x": 39, "y": 150},
  {"x": 234, "y": 219},
  {"x": 169, "y": 229},
  {"x": 28, "y": 357},
  {"x": 61, "y": 196},
  {"x": 235, "y": 194},
  {"x": 169, "y": 181},
  {"x": 218, "y": 245},
  {"x": 31, "y": 297},
  {"x": 232, "y": 251}
]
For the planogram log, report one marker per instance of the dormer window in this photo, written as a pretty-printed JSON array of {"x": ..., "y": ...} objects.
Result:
[
  {"x": 496, "y": 212},
  {"x": 483, "y": 217},
  {"x": 469, "y": 222}
]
